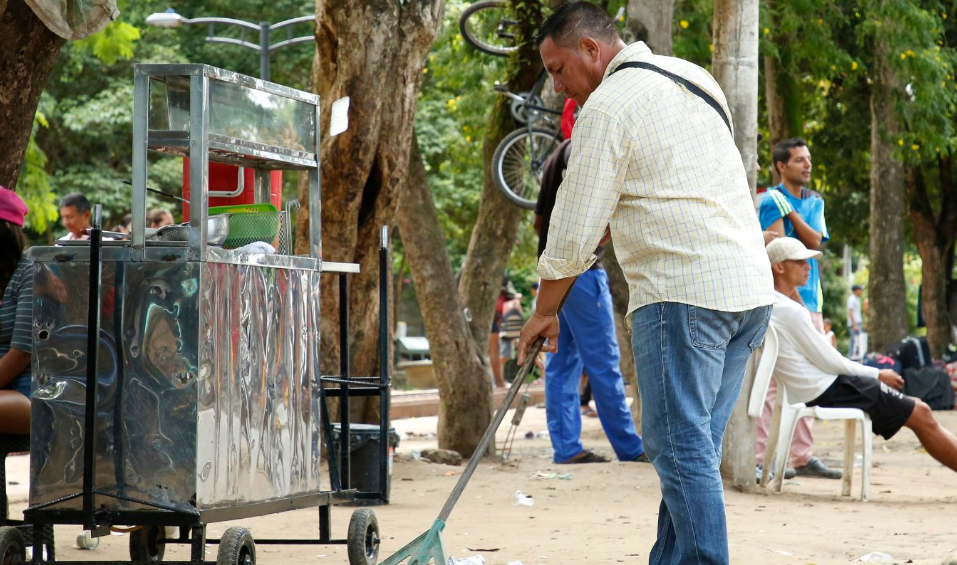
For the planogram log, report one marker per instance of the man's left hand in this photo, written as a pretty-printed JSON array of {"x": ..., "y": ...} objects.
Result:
[
  {"x": 891, "y": 379},
  {"x": 538, "y": 325}
]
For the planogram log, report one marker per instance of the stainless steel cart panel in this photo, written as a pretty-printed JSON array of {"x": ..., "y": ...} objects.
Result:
[{"x": 206, "y": 395}]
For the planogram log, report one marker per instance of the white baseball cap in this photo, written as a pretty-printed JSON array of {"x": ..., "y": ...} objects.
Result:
[{"x": 789, "y": 249}]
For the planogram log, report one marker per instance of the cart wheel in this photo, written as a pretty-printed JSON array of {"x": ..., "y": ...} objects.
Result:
[
  {"x": 236, "y": 548},
  {"x": 13, "y": 550},
  {"x": 363, "y": 540},
  {"x": 86, "y": 540},
  {"x": 148, "y": 544}
]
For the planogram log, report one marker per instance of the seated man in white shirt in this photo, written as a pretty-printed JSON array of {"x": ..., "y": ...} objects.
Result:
[{"x": 815, "y": 373}]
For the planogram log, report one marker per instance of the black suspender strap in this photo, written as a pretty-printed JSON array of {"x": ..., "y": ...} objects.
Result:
[{"x": 694, "y": 88}]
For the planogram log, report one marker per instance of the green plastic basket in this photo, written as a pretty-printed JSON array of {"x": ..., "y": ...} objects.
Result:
[{"x": 249, "y": 223}]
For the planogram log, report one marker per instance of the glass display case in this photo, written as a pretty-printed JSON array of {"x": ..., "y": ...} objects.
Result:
[{"x": 212, "y": 115}]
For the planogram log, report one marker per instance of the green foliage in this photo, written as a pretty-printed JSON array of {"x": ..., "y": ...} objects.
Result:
[
  {"x": 450, "y": 124},
  {"x": 691, "y": 33},
  {"x": 34, "y": 183},
  {"x": 836, "y": 290},
  {"x": 116, "y": 42},
  {"x": 88, "y": 100},
  {"x": 914, "y": 32}
]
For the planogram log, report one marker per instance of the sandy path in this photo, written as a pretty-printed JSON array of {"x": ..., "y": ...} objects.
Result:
[{"x": 607, "y": 513}]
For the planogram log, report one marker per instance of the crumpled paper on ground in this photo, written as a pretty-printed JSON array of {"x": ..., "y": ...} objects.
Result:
[{"x": 876, "y": 556}]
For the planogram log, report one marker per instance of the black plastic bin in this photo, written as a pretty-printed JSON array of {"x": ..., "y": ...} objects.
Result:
[{"x": 364, "y": 458}]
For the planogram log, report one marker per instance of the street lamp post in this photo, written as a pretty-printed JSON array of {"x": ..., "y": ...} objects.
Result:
[{"x": 172, "y": 19}]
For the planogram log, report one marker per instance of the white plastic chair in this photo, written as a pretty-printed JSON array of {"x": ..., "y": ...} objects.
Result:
[
  {"x": 785, "y": 419},
  {"x": 763, "y": 372}
]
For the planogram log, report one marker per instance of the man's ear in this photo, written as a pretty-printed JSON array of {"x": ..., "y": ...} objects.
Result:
[
  {"x": 777, "y": 268},
  {"x": 590, "y": 48}
]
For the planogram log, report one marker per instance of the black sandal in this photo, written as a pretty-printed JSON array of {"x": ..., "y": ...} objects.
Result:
[{"x": 586, "y": 457}]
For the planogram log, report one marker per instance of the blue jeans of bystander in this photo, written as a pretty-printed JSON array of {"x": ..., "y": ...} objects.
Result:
[
  {"x": 588, "y": 340},
  {"x": 690, "y": 362}
]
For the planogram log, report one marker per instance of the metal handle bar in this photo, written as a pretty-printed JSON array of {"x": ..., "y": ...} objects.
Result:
[{"x": 502, "y": 89}]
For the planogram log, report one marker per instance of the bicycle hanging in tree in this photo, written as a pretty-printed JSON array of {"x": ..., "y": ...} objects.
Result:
[{"x": 520, "y": 157}]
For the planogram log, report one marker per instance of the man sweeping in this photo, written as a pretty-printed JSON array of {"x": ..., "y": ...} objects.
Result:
[{"x": 654, "y": 161}]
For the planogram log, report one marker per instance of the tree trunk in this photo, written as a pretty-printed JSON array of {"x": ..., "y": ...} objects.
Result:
[
  {"x": 618, "y": 286},
  {"x": 650, "y": 21},
  {"x": 782, "y": 94},
  {"x": 27, "y": 52},
  {"x": 735, "y": 67},
  {"x": 463, "y": 376},
  {"x": 372, "y": 51},
  {"x": 777, "y": 124},
  {"x": 934, "y": 235},
  {"x": 497, "y": 223},
  {"x": 887, "y": 320}
]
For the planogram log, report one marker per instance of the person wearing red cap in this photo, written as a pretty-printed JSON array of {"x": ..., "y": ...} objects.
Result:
[{"x": 16, "y": 316}]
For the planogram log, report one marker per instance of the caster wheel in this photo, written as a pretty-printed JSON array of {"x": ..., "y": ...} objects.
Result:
[
  {"x": 13, "y": 549},
  {"x": 148, "y": 544},
  {"x": 86, "y": 540},
  {"x": 236, "y": 548},
  {"x": 363, "y": 539}
]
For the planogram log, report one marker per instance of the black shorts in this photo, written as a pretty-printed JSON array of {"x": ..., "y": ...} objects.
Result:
[{"x": 887, "y": 407}]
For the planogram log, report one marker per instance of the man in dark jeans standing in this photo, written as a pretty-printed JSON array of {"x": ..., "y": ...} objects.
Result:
[
  {"x": 588, "y": 341},
  {"x": 654, "y": 158}
]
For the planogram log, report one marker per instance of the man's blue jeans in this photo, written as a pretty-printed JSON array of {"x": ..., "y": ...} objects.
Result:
[
  {"x": 690, "y": 364},
  {"x": 587, "y": 339}
]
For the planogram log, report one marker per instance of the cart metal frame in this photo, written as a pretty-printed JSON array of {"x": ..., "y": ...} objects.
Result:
[{"x": 200, "y": 145}]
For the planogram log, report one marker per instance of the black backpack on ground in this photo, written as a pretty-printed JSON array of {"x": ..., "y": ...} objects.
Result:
[
  {"x": 910, "y": 353},
  {"x": 930, "y": 384}
]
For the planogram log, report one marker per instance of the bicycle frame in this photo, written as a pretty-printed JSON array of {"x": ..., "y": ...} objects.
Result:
[{"x": 534, "y": 109}]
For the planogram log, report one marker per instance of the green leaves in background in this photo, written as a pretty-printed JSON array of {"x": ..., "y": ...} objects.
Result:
[{"x": 34, "y": 184}]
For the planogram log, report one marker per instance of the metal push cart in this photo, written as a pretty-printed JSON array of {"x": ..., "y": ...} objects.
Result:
[{"x": 177, "y": 383}]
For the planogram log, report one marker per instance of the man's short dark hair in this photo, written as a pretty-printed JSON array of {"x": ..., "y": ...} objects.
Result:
[
  {"x": 782, "y": 151},
  {"x": 575, "y": 20},
  {"x": 77, "y": 200}
]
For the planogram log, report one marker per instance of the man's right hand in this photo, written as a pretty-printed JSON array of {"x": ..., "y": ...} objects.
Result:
[
  {"x": 538, "y": 325},
  {"x": 891, "y": 379}
]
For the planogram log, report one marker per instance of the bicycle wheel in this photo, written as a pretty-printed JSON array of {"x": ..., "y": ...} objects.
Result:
[
  {"x": 518, "y": 162},
  {"x": 487, "y": 27}
]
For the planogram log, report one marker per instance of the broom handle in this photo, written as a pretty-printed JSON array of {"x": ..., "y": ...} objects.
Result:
[{"x": 496, "y": 421}]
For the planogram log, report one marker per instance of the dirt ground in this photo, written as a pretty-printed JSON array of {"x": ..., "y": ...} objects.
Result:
[{"x": 606, "y": 513}]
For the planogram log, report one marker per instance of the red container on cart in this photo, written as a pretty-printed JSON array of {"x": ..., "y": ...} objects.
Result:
[{"x": 225, "y": 178}]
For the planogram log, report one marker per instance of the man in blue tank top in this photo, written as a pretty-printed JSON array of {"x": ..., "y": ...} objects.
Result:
[{"x": 791, "y": 209}]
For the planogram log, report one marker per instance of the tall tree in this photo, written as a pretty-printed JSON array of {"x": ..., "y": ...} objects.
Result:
[
  {"x": 372, "y": 51},
  {"x": 651, "y": 21},
  {"x": 27, "y": 52},
  {"x": 458, "y": 316},
  {"x": 927, "y": 63},
  {"x": 461, "y": 368},
  {"x": 735, "y": 67},
  {"x": 934, "y": 233},
  {"x": 887, "y": 292}
]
